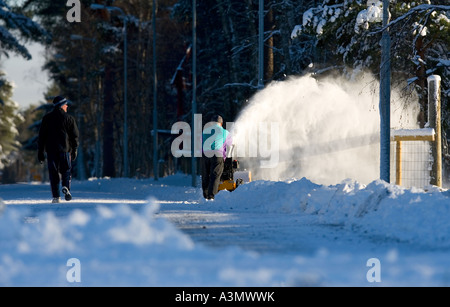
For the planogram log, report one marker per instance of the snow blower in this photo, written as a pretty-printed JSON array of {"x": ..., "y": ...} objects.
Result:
[{"x": 232, "y": 178}]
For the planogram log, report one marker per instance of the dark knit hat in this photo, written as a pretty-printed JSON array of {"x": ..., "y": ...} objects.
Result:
[
  {"x": 59, "y": 101},
  {"x": 217, "y": 118}
]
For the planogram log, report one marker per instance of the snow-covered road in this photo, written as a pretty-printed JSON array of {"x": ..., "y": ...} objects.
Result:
[{"x": 265, "y": 233}]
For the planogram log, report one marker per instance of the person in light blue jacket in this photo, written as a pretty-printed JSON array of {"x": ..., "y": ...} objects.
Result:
[{"x": 215, "y": 140}]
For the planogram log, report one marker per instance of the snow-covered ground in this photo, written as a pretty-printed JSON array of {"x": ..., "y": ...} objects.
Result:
[{"x": 129, "y": 232}]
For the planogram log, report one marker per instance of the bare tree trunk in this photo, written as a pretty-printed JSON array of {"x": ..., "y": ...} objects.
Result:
[
  {"x": 268, "y": 50},
  {"x": 108, "y": 125},
  {"x": 422, "y": 84},
  {"x": 108, "y": 116},
  {"x": 254, "y": 33},
  {"x": 286, "y": 26},
  {"x": 228, "y": 27}
]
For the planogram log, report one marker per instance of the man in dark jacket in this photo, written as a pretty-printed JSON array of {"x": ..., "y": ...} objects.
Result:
[{"x": 58, "y": 136}]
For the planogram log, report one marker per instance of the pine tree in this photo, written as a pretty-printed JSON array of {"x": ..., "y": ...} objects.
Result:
[
  {"x": 14, "y": 22},
  {"x": 9, "y": 118},
  {"x": 348, "y": 35}
]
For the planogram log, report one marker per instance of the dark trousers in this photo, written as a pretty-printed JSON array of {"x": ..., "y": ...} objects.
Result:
[
  {"x": 211, "y": 172},
  {"x": 59, "y": 164}
]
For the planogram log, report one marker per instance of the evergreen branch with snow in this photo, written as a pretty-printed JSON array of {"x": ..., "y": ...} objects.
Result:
[
  {"x": 28, "y": 29},
  {"x": 429, "y": 8}
]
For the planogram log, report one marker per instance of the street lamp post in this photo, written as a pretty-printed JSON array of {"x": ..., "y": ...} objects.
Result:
[
  {"x": 194, "y": 91},
  {"x": 155, "y": 105},
  {"x": 385, "y": 98},
  {"x": 125, "y": 85}
]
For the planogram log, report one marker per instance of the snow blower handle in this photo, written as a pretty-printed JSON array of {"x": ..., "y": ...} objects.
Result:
[{"x": 230, "y": 150}]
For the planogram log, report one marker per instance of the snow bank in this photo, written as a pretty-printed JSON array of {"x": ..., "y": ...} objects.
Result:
[
  {"x": 121, "y": 246},
  {"x": 379, "y": 210},
  {"x": 132, "y": 245},
  {"x": 109, "y": 238}
]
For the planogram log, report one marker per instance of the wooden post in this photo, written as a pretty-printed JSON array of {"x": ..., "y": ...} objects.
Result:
[
  {"x": 434, "y": 121},
  {"x": 398, "y": 163}
]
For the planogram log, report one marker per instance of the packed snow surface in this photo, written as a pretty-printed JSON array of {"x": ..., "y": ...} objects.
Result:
[{"x": 130, "y": 232}]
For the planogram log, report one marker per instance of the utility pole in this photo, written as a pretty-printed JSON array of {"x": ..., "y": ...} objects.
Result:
[
  {"x": 125, "y": 97},
  {"x": 155, "y": 105},
  {"x": 194, "y": 91},
  {"x": 434, "y": 120},
  {"x": 385, "y": 98}
]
